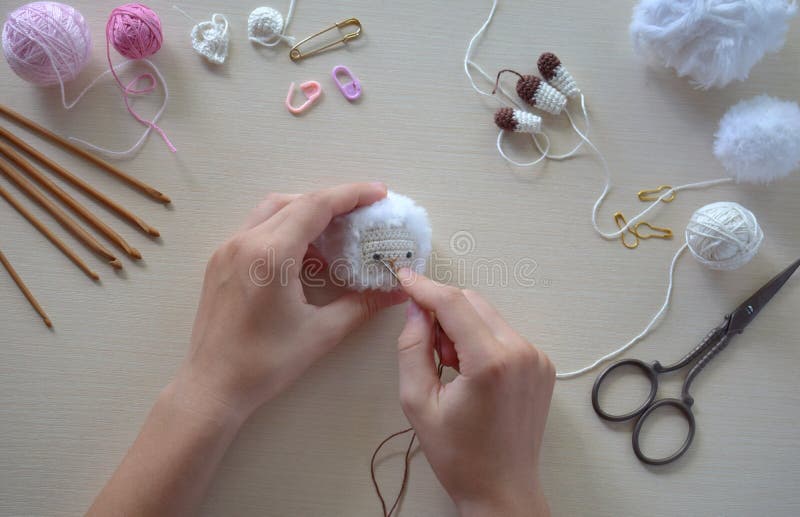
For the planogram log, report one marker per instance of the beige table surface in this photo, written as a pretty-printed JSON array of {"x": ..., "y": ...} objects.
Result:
[{"x": 72, "y": 400}]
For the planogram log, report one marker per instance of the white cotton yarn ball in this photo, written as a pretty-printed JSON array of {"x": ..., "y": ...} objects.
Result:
[
  {"x": 758, "y": 140},
  {"x": 713, "y": 42},
  {"x": 264, "y": 24},
  {"x": 724, "y": 235}
]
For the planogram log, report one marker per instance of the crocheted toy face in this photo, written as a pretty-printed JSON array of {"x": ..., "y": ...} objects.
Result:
[{"x": 359, "y": 246}]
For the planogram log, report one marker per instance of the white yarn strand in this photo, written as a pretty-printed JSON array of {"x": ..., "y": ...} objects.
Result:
[
  {"x": 132, "y": 150},
  {"x": 650, "y": 326}
]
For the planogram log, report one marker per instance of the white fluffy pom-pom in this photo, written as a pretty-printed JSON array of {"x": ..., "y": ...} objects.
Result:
[
  {"x": 758, "y": 140},
  {"x": 713, "y": 42},
  {"x": 359, "y": 246}
]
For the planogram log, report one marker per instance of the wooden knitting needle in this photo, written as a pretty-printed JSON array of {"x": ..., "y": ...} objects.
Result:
[
  {"x": 68, "y": 200},
  {"x": 77, "y": 182},
  {"x": 66, "y": 144},
  {"x": 39, "y": 225},
  {"x": 25, "y": 290},
  {"x": 60, "y": 216}
]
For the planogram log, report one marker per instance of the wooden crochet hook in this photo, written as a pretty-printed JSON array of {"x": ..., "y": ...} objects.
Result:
[
  {"x": 69, "y": 146},
  {"x": 39, "y": 225},
  {"x": 22, "y": 287},
  {"x": 77, "y": 182},
  {"x": 48, "y": 184},
  {"x": 65, "y": 220}
]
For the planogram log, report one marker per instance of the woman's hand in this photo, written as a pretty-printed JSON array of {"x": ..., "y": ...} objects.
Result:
[
  {"x": 481, "y": 432},
  {"x": 255, "y": 332}
]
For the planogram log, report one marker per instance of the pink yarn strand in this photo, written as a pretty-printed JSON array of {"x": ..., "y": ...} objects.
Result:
[{"x": 135, "y": 42}]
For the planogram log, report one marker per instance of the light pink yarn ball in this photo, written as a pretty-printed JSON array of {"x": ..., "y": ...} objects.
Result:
[
  {"x": 46, "y": 43},
  {"x": 135, "y": 31}
]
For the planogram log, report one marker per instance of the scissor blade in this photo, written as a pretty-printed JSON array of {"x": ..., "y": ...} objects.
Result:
[{"x": 747, "y": 312}]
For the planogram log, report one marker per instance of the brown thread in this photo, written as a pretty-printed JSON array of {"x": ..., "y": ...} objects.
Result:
[
  {"x": 526, "y": 85},
  {"x": 407, "y": 457}
]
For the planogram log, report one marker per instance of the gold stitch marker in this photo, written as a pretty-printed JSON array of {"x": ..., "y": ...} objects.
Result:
[
  {"x": 620, "y": 221},
  {"x": 660, "y": 232},
  {"x": 654, "y": 194},
  {"x": 295, "y": 54}
]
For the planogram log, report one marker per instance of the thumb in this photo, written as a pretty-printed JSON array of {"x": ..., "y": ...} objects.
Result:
[
  {"x": 418, "y": 377},
  {"x": 347, "y": 313}
]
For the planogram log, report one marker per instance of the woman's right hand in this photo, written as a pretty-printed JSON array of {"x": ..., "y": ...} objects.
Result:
[{"x": 483, "y": 431}]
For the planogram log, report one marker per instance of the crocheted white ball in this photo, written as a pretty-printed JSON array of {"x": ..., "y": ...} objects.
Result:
[
  {"x": 724, "y": 235},
  {"x": 358, "y": 246},
  {"x": 264, "y": 25},
  {"x": 758, "y": 140},
  {"x": 713, "y": 42}
]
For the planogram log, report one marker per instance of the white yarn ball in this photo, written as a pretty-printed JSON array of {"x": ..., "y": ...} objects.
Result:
[
  {"x": 264, "y": 24},
  {"x": 758, "y": 140},
  {"x": 724, "y": 235},
  {"x": 712, "y": 41}
]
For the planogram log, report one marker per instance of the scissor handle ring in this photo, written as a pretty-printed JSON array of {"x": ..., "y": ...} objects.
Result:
[
  {"x": 685, "y": 410},
  {"x": 641, "y": 365}
]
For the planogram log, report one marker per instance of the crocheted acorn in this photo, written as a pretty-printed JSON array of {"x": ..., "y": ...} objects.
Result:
[
  {"x": 536, "y": 92},
  {"x": 758, "y": 140},
  {"x": 517, "y": 120},
  {"x": 359, "y": 246},
  {"x": 555, "y": 73}
]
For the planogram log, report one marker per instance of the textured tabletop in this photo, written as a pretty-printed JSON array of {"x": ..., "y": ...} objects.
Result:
[{"x": 72, "y": 399}]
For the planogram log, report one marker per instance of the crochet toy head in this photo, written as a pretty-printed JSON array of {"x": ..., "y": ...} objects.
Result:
[{"x": 359, "y": 246}]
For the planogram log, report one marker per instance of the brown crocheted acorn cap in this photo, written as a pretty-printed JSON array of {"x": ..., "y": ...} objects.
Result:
[
  {"x": 548, "y": 62},
  {"x": 526, "y": 88},
  {"x": 504, "y": 118}
]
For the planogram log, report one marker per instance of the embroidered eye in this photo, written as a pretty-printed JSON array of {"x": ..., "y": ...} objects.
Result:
[
  {"x": 408, "y": 255},
  {"x": 376, "y": 256}
]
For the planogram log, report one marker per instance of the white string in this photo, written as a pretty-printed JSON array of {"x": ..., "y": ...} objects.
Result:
[
  {"x": 131, "y": 151},
  {"x": 655, "y": 319},
  {"x": 520, "y": 164}
]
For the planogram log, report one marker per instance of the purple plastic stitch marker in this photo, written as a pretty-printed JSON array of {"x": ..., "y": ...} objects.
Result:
[{"x": 352, "y": 89}]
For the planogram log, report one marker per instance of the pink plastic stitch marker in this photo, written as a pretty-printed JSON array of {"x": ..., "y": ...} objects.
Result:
[
  {"x": 352, "y": 89},
  {"x": 312, "y": 91}
]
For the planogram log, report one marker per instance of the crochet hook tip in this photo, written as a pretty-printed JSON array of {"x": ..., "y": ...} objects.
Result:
[{"x": 116, "y": 263}]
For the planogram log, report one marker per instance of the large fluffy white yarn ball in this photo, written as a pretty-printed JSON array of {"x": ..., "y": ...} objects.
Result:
[
  {"x": 713, "y": 42},
  {"x": 758, "y": 140},
  {"x": 724, "y": 235}
]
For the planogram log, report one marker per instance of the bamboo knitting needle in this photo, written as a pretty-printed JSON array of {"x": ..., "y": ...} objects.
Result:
[
  {"x": 77, "y": 181},
  {"x": 39, "y": 225},
  {"x": 66, "y": 144},
  {"x": 60, "y": 216},
  {"x": 68, "y": 200},
  {"x": 25, "y": 290}
]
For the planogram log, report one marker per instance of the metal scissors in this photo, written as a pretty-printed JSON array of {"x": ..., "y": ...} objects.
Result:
[{"x": 716, "y": 341}]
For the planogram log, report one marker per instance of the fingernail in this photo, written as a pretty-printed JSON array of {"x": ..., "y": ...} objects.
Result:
[
  {"x": 379, "y": 184},
  {"x": 413, "y": 311},
  {"x": 404, "y": 273}
]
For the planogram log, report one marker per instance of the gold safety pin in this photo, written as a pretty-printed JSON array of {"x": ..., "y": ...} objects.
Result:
[
  {"x": 661, "y": 233},
  {"x": 295, "y": 54},
  {"x": 647, "y": 195},
  {"x": 620, "y": 221}
]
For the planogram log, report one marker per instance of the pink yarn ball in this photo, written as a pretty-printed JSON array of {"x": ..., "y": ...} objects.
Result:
[
  {"x": 46, "y": 43},
  {"x": 135, "y": 31}
]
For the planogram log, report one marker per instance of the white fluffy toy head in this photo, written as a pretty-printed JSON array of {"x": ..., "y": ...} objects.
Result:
[
  {"x": 713, "y": 42},
  {"x": 758, "y": 140},
  {"x": 358, "y": 246}
]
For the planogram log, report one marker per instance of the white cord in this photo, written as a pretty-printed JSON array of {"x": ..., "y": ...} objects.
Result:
[{"x": 653, "y": 321}]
